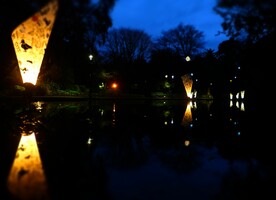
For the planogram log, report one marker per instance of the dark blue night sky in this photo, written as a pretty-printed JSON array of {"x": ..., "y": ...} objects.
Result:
[{"x": 155, "y": 16}]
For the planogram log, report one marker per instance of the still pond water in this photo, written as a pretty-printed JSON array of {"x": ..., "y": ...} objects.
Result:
[{"x": 134, "y": 150}]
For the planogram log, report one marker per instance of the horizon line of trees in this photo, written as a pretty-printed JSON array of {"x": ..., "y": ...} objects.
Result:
[{"x": 131, "y": 56}]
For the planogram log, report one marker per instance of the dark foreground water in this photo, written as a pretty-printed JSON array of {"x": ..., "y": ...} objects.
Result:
[{"x": 135, "y": 150}]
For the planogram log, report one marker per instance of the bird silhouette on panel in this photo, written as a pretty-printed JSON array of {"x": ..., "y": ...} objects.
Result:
[{"x": 25, "y": 46}]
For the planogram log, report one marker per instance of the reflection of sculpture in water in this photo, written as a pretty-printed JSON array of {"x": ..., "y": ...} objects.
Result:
[
  {"x": 30, "y": 40},
  {"x": 187, "y": 118},
  {"x": 239, "y": 97},
  {"x": 26, "y": 179}
]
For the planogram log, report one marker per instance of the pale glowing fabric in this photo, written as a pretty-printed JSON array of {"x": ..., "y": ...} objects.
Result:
[{"x": 30, "y": 40}]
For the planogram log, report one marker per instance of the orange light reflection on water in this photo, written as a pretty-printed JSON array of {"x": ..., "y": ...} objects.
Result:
[{"x": 26, "y": 179}]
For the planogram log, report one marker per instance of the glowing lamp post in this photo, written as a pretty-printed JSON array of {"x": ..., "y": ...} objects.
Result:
[{"x": 30, "y": 40}]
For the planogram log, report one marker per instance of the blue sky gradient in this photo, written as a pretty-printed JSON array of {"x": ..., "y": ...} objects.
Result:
[{"x": 155, "y": 16}]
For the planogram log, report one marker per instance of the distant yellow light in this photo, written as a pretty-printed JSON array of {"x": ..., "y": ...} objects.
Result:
[
  {"x": 186, "y": 143},
  {"x": 30, "y": 40},
  {"x": 188, "y": 58}
]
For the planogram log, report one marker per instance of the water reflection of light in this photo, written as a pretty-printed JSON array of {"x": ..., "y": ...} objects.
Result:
[
  {"x": 194, "y": 105},
  {"x": 242, "y": 107},
  {"x": 238, "y": 104},
  {"x": 114, "y": 107},
  {"x": 172, "y": 121},
  {"x": 231, "y": 103},
  {"x": 38, "y": 105},
  {"x": 114, "y": 114},
  {"x": 101, "y": 111},
  {"x": 186, "y": 143},
  {"x": 89, "y": 140},
  {"x": 194, "y": 94},
  {"x": 26, "y": 179},
  {"x": 187, "y": 118}
]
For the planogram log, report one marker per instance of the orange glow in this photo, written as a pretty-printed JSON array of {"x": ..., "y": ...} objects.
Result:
[
  {"x": 187, "y": 118},
  {"x": 114, "y": 85},
  {"x": 26, "y": 178},
  {"x": 188, "y": 83},
  {"x": 30, "y": 40}
]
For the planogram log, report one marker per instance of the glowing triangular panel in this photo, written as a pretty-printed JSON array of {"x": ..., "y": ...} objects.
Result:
[
  {"x": 188, "y": 84},
  {"x": 30, "y": 40},
  {"x": 187, "y": 118}
]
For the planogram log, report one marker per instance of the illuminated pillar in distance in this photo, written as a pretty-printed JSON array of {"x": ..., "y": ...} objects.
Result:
[
  {"x": 30, "y": 40},
  {"x": 188, "y": 84}
]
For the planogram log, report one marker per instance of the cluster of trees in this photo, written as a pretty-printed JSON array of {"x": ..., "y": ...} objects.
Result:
[{"x": 140, "y": 62}]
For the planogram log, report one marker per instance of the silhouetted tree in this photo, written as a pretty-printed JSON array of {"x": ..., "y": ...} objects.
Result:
[
  {"x": 125, "y": 46},
  {"x": 78, "y": 25},
  {"x": 247, "y": 20},
  {"x": 169, "y": 54},
  {"x": 252, "y": 24},
  {"x": 166, "y": 62},
  {"x": 184, "y": 40},
  {"x": 127, "y": 51}
]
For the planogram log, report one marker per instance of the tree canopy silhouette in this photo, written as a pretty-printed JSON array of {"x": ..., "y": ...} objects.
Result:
[
  {"x": 184, "y": 40},
  {"x": 247, "y": 20}
]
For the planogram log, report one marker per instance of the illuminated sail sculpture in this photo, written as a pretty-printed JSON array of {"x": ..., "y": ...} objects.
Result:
[
  {"x": 188, "y": 84},
  {"x": 30, "y": 40}
]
